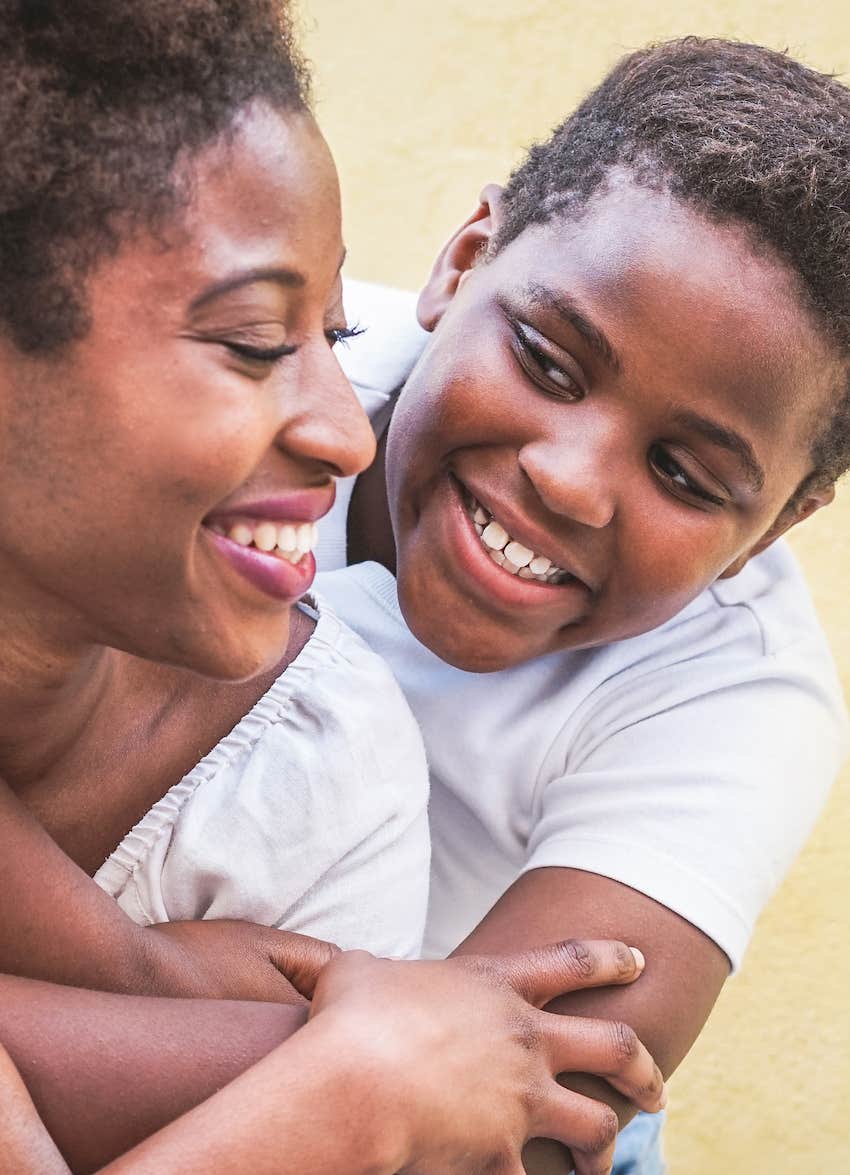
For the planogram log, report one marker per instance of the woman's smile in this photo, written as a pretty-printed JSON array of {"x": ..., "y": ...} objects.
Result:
[
  {"x": 270, "y": 542},
  {"x": 206, "y": 388}
]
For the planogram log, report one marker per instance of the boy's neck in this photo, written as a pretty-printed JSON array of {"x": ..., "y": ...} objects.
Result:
[{"x": 370, "y": 532}]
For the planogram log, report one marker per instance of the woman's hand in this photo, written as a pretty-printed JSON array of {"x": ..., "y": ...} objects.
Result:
[
  {"x": 228, "y": 959},
  {"x": 461, "y": 1062}
]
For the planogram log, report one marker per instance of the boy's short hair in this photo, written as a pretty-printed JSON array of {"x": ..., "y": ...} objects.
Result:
[
  {"x": 99, "y": 99},
  {"x": 737, "y": 131}
]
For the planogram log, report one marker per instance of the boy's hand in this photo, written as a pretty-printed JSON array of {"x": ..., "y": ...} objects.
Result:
[
  {"x": 228, "y": 959},
  {"x": 460, "y": 1062}
]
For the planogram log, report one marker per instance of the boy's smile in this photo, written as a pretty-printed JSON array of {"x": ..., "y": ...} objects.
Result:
[{"x": 626, "y": 401}]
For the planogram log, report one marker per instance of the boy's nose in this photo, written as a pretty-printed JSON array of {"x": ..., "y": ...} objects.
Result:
[
  {"x": 575, "y": 478},
  {"x": 330, "y": 427}
]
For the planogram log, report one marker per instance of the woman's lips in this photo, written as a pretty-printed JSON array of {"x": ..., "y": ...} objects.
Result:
[
  {"x": 269, "y": 571},
  {"x": 269, "y": 541}
]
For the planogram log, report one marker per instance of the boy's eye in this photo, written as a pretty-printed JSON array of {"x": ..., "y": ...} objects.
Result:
[
  {"x": 541, "y": 366},
  {"x": 683, "y": 484}
]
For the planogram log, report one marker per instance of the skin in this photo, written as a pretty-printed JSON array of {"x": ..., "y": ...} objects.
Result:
[
  {"x": 594, "y": 463},
  {"x": 587, "y": 459},
  {"x": 456, "y": 1018},
  {"x": 119, "y": 454},
  {"x": 107, "y": 613}
]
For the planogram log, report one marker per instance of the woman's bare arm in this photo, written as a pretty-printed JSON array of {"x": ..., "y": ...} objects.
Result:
[
  {"x": 393, "y": 1053},
  {"x": 105, "y": 1071},
  {"x": 25, "y": 1146}
]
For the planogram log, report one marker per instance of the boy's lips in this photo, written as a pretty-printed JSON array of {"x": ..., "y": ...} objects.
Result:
[
  {"x": 483, "y": 580},
  {"x": 519, "y": 532}
]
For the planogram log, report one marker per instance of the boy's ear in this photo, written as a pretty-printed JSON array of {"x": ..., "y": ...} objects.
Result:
[
  {"x": 457, "y": 257},
  {"x": 795, "y": 512}
]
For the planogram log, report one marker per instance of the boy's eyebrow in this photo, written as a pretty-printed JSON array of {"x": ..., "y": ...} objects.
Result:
[
  {"x": 570, "y": 312},
  {"x": 725, "y": 438}
]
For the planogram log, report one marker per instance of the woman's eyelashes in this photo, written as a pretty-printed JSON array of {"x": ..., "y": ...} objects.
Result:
[
  {"x": 337, "y": 334},
  {"x": 678, "y": 480},
  {"x": 542, "y": 367},
  {"x": 341, "y": 334}
]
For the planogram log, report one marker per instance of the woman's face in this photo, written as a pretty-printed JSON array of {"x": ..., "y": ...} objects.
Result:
[
  {"x": 620, "y": 407},
  {"x": 148, "y": 469}
]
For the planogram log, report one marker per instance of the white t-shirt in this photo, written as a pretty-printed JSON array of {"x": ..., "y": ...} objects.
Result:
[
  {"x": 688, "y": 763},
  {"x": 311, "y": 815}
]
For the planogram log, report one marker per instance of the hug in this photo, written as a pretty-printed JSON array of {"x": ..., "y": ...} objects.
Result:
[{"x": 555, "y": 558}]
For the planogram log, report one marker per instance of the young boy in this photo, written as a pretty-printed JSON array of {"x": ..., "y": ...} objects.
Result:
[{"x": 637, "y": 381}]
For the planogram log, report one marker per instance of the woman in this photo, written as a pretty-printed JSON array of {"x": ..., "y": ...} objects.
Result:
[{"x": 172, "y": 422}]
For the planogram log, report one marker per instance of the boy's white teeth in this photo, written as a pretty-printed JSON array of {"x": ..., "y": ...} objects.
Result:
[
  {"x": 507, "y": 553},
  {"x": 291, "y": 540}
]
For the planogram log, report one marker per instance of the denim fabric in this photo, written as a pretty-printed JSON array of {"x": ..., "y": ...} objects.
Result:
[{"x": 639, "y": 1147}]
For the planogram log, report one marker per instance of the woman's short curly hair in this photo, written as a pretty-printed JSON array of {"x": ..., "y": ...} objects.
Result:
[
  {"x": 98, "y": 101},
  {"x": 738, "y": 131}
]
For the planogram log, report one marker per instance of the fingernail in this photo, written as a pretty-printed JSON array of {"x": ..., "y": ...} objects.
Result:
[
  {"x": 640, "y": 961},
  {"x": 662, "y": 1100}
]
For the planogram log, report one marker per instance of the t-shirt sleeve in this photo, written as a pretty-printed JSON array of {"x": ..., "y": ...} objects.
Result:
[{"x": 697, "y": 787}]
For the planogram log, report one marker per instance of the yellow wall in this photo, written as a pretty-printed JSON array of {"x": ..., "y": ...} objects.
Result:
[{"x": 423, "y": 103}]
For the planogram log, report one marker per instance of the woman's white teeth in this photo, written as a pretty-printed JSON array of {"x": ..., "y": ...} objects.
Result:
[
  {"x": 290, "y": 540},
  {"x": 507, "y": 553},
  {"x": 494, "y": 536}
]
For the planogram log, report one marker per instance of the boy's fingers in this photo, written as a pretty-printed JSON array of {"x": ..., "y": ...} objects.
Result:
[
  {"x": 546, "y": 972},
  {"x": 589, "y": 1128},
  {"x": 300, "y": 958},
  {"x": 609, "y": 1049}
]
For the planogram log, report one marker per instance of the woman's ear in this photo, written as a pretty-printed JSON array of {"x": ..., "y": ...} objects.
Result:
[
  {"x": 457, "y": 257},
  {"x": 795, "y": 512}
]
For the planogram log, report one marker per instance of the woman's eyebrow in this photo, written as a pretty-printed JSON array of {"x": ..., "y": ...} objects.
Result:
[
  {"x": 725, "y": 438},
  {"x": 291, "y": 278},
  {"x": 571, "y": 312}
]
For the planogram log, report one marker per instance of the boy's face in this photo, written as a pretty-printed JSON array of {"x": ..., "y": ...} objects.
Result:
[{"x": 631, "y": 396}]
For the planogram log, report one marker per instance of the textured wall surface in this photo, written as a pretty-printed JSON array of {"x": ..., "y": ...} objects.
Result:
[{"x": 425, "y": 102}]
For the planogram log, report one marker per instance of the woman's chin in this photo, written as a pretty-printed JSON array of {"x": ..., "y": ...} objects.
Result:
[{"x": 242, "y": 654}]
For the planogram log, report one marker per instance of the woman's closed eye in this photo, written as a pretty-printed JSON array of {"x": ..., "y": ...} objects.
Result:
[
  {"x": 542, "y": 367},
  {"x": 679, "y": 481},
  {"x": 266, "y": 354}
]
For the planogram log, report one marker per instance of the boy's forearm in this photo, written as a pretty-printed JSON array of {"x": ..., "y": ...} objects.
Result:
[{"x": 106, "y": 1071}]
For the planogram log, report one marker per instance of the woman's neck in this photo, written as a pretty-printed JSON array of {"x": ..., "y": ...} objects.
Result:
[
  {"x": 52, "y": 682},
  {"x": 370, "y": 532},
  {"x": 47, "y": 701}
]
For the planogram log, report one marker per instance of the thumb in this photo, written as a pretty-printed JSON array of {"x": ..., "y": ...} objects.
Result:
[
  {"x": 300, "y": 958},
  {"x": 546, "y": 972}
]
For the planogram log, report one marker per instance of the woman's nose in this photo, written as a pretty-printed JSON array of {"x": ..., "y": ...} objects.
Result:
[
  {"x": 574, "y": 475},
  {"x": 329, "y": 426}
]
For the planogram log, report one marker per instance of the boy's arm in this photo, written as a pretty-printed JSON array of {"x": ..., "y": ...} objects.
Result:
[
  {"x": 667, "y": 1007},
  {"x": 106, "y": 1071}
]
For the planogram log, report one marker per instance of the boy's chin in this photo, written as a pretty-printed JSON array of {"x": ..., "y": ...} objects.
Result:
[{"x": 467, "y": 642}]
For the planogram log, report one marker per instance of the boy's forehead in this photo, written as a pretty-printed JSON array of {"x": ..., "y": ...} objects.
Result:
[
  {"x": 687, "y": 303},
  {"x": 689, "y": 309}
]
